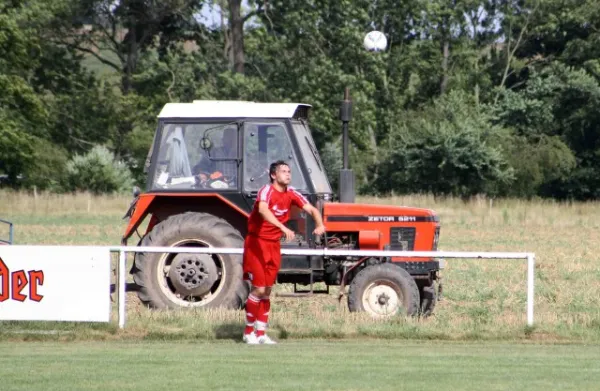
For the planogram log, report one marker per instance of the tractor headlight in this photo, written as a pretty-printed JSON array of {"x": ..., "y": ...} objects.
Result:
[{"x": 436, "y": 238}]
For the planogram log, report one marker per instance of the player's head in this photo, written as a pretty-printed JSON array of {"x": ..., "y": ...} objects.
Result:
[{"x": 280, "y": 172}]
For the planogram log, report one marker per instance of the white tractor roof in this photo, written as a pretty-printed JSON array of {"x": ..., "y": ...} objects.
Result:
[{"x": 229, "y": 109}]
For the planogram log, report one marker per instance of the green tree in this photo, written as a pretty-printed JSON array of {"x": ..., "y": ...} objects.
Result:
[
  {"x": 97, "y": 171},
  {"x": 118, "y": 33},
  {"x": 50, "y": 102},
  {"x": 556, "y": 115},
  {"x": 445, "y": 149}
]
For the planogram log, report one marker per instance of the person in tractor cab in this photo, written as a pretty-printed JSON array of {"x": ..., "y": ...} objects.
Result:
[
  {"x": 262, "y": 248},
  {"x": 219, "y": 169}
]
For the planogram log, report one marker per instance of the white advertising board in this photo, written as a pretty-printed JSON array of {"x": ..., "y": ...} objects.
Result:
[{"x": 54, "y": 283}]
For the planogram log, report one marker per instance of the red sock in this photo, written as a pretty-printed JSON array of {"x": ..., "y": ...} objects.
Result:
[
  {"x": 252, "y": 309},
  {"x": 262, "y": 319}
]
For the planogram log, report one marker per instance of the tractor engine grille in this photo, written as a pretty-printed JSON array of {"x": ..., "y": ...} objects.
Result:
[{"x": 402, "y": 238}]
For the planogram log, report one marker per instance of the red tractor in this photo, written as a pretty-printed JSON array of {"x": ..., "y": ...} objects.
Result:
[{"x": 206, "y": 164}]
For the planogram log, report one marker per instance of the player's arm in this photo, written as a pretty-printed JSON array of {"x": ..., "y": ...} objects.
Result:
[
  {"x": 263, "y": 209},
  {"x": 316, "y": 215}
]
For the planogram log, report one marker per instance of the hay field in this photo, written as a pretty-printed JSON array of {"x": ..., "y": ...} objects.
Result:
[{"x": 483, "y": 299}]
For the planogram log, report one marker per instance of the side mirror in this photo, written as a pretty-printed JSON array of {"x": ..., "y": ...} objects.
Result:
[
  {"x": 205, "y": 143},
  {"x": 136, "y": 191}
]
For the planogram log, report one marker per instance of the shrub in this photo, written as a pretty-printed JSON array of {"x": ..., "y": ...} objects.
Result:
[{"x": 98, "y": 172}]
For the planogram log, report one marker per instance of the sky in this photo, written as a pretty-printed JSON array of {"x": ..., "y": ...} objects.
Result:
[{"x": 211, "y": 15}]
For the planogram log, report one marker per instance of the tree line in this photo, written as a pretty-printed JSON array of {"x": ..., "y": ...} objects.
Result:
[{"x": 495, "y": 97}]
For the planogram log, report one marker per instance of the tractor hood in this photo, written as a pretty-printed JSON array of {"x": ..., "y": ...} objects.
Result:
[{"x": 345, "y": 213}]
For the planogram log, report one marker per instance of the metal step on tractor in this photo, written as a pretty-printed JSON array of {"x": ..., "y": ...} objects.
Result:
[{"x": 206, "y": 164}]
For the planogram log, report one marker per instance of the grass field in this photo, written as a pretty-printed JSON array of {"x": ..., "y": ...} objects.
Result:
[
  {"x": 483, "y": 299},
  {"x": 476, "y": 339},
  {"x": 296, "y": 365}
]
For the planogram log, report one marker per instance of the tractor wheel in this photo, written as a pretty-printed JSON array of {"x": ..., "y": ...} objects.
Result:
[
  {"x": 428, "y": 296},
  {"x": 384, "y": 290},
  {"x": 191, "y": 280}
]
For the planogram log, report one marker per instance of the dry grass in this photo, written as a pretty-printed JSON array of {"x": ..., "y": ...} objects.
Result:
[
  {"x": 482, "y": 299},
  {"x": 48, "y": 204}
]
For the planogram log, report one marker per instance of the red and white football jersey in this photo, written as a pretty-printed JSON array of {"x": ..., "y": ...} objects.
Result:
[{"x": 279, "y": 204}]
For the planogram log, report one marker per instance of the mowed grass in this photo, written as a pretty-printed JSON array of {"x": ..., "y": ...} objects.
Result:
[
  {"x": 483, "y": 299},
  {"x": 299, "y": 365}
]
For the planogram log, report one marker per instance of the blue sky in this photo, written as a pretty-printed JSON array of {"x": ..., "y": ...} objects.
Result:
[{"x": 211, "y": 14}]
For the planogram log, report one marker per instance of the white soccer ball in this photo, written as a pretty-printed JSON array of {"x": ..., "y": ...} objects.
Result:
[{"x": 375, "y": 41}]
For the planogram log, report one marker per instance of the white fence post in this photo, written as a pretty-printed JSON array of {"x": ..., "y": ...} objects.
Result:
[
  {"x": 122, "y": 282},
  {"x": 530, "y": 297}
]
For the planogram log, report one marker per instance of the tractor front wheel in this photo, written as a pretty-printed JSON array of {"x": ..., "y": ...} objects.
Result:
[
  {"x": 173, "y": 280},
  {"x": 383, "y": 291}
]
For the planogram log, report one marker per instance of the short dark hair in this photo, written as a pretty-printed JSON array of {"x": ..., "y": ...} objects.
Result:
[{"x": 274, "y": 166}]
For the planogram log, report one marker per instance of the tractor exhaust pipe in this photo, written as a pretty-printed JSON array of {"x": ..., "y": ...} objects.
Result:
[{"x": 346, "y": 183}]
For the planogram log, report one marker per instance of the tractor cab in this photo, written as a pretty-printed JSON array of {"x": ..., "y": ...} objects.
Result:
[
  {"x": 227, "y": 147},
  {"x": 222, "y": 150}
]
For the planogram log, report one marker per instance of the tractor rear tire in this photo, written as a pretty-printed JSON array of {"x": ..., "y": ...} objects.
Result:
[
  {"x": 191, "y": 229},
  {"x": 384, "y": 290}
]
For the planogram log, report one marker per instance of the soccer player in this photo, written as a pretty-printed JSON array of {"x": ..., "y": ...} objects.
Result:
[{"x": 262, "y": 249}]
